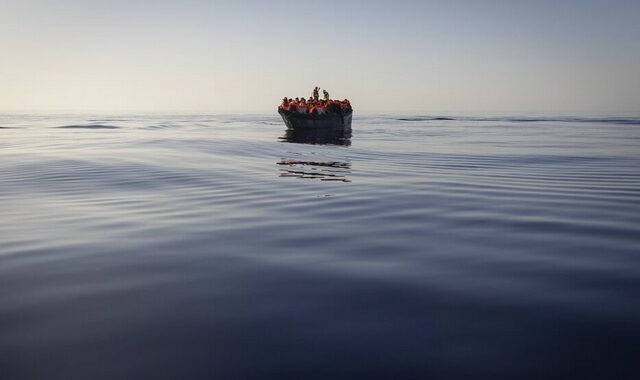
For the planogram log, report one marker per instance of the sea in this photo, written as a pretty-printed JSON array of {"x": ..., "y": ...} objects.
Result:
[{"x": 148, "y": 246}]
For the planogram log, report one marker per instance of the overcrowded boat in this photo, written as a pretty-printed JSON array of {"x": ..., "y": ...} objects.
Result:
[{"x": 316, "y": 113}]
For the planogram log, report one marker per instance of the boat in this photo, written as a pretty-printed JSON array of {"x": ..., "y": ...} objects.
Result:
[
  {"x": 340, "y": 120},
  {"x": 332, "y": 121},
  {"x": 316, "y": 114}
]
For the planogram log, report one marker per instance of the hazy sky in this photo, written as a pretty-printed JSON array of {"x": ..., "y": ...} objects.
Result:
[{"x": 457, "y": 57}]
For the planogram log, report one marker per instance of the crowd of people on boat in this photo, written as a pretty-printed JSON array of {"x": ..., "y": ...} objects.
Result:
[{"x": 314, "y": 105}]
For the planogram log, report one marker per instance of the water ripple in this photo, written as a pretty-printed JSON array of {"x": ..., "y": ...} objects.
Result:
[
  {"x": 486, "y": 241},
  {"x": 88, "y": 126}
]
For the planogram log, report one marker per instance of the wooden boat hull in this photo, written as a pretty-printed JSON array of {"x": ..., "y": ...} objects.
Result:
[{"x": 295, "y": 120}]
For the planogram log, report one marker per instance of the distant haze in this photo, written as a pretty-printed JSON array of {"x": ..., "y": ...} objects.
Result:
[{"x": 431, "y": 57}]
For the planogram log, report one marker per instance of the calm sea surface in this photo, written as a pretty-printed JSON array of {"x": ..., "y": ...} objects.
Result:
[{"x": 168, "y": 247}]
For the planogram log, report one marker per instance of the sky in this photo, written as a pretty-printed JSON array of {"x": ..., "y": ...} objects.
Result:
[{"x": 429, "y": 57}]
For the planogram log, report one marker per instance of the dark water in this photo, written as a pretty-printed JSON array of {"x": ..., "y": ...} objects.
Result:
[{"x": 223, "y": 247}]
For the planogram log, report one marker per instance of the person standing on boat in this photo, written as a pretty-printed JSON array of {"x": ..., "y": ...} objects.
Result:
[
  {"x": 302, "y": 106},
  {"x": 326, "y": 95},
  {"x": 321, "y": 108},
  {"x": 285, "y": 104},
  {"x": 316, "y": 94}
]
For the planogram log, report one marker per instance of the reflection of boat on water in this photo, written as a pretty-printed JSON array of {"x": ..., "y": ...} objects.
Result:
[
  {"x": 324, "y": 171},
  {"x": 318, "y": 136}
]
